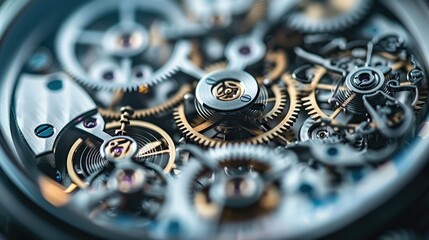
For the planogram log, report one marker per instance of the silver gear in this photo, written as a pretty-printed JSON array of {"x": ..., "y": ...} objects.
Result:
[
  {"x": 115, "y": 192},
  {"x": 206, "y": 173},
  {"x": 125, "y": 40},
  {"x": 327, "y": 16},
  {"x": 218, "y": 12}
]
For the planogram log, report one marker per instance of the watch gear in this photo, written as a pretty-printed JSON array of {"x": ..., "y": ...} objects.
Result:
[
  {"x": 327, "y": 16},
  {"x": 344, "y": 90},
  {"x": 128, "y": 51},
  {"x": 234, "y": 185},
  {"x": 213, "y": 119},
  {"x": 130, "y": 192},
  {"x": 85, "y": 158},
  {"x": 156, "y": 107},
  {"x": 220, "y": 14},
  {"x": 157, "y": 100},
  {"x": 275, "y": 117},
  {"x": 272, "y": 105}
]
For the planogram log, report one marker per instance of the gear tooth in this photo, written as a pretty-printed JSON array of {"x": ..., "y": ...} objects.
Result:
[
  {"x": 300, "y": 22},
  {"x": 315, "y": 116},
  {"x": 305, "y": 104},
  {"x": 312, "y": 112},
  {"x": 99, "y": 86},
  {"x": 309, "y": 108},
  {"x": 287, "y": 95}
]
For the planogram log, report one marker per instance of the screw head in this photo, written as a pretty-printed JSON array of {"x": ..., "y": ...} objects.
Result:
[
  {"x": 246, "y": 98},
  {"x": 44, "y": 131},
  {"x": 415, "y": 75},
  {"x": 90, "y": 122},
  {"x": 55, "y": 85}
]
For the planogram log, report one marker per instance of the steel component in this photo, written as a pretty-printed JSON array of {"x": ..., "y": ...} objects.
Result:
[
  {"x": 327, "y": 16},
  {"x": 38, "y": 96},
  {"x": 123, "y": 40}
]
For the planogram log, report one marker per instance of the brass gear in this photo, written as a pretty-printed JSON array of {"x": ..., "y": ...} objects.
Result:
[
  {"x": 279, "y": 102},
  {"x": 149, "y": 149},
  {"x": 276, "y": 62},
  {"x": 141, "y": 113},
  {"x": 110, "y": 113},
  {"x": 310, "y": 102},
  {"x": 261, "y": 134},
  {"x": 275, "y": 65}
]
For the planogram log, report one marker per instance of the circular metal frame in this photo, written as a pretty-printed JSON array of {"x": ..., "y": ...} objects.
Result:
[{"x": 401, "y": 171}]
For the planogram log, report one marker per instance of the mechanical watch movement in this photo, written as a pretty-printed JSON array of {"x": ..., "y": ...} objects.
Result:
[{"x": 214, "y": 119}]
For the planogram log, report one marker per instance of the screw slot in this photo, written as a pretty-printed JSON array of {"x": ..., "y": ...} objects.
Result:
[{"x": 44, "y": 131}]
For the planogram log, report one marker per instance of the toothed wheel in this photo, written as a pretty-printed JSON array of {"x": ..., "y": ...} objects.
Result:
[
  {"x": 129, "y": 193},
  {"x": 127, "y": 50},
  {"x": 314, "y": 16},
  {"x": 152, "y": 101},
  {"x": 160, "y": 102},
  {"x": 223, "y": 13},
  {"x": 213, "y": 119},
  {"x": 235, "y": 185},
  {"x": 281, "y": 112},
  {"x": 154, "y": 146},
  {"x": 354, "y": 88}
]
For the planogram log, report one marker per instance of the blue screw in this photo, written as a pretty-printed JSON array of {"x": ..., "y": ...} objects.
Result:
[
  {"x": 332, "y": 151},
  {"x": 55, "y": 85},
  {"x": 44, "y": 131},
  {"x": 211, "y": 81},
  {"x": 246, "y": 98}
]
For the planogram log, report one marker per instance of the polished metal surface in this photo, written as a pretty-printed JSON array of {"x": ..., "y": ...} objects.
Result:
[{"x": 38, "y": 96}]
